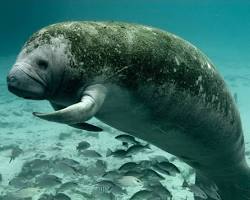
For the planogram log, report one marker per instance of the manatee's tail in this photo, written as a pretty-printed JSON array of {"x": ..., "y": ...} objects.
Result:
[{"x": 234, "y": 188}]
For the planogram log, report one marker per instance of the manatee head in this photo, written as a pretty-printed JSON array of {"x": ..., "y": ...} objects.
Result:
[{"x": 39, "y": 67}]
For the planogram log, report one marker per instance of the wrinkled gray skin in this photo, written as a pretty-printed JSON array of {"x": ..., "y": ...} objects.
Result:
[{"x": 143, "y": 81}]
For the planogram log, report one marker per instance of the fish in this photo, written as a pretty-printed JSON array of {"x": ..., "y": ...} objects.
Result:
[
  {"x": 127, "y": 139},
  {"x": 151, "y": 175},
  {"x": 101, "y": 164},
  {"x": 113, "y": 174},
  {"x": 145, "y": 195},
  {"x": 61, "y": 196},
  {"x": 61, "y": 167},
  {"x": 158, "y": 158},
  {"x": 119, "y": 153},
  {"x": 159, "y": 169},
  {"x": 168, "y": 167},
  {"x": 94, "y": 170},
  {"x": 15, "y": 152},
  {"x": 162, "y": 191},
  {"x": 129, "y": 166},
  {"x": 137, "y": 173},
  {"x": 82, "y": 146},
  {"x": 146, "y": 163},
  {"x": 129, "y": 181},
  {"x": 67, "y": 186},
  {"x": 46, "y": 197},
  {"x": 47, "y": 180},
  {"x": 90, "y": 153},
  {"x": 137, "y": 148},
  {"x": 19, "y": 182},
  {"x": 27, "y": 192},
  {"x": 70, "y": 162},
  {"x": 107, "y": 186},
  {"x": 98, "y": 195},
  {"x": 34, "y": 167},
  {"x": 63, "y": 136}
]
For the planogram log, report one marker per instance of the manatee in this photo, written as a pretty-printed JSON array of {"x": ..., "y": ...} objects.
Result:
[{"x": 145, "y": 82}]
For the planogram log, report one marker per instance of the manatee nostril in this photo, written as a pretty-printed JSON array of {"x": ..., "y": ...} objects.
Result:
[{"x": 11, "y": 79}]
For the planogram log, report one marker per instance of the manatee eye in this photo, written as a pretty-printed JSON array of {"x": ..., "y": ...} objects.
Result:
[{"x": 43, "y": 64}]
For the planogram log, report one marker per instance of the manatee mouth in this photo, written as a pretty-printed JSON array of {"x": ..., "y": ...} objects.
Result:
[
  {"x": 25, "y": 84},
  {"x": 25, "y": 93}
]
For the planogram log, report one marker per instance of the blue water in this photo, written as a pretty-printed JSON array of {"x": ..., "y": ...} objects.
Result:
[{"x": 221, "y": 29}]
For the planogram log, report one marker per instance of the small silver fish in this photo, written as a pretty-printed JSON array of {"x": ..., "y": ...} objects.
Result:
[
  {"x": 137, "y": 173},
  {"x": 127, "y": 139},
  {"x": 163, "y": 192},
  {"x": 61, "y": 196},
  {"x": 158, "y": 158},
  {"x": 37, "y": 166},
  {"x": 67, "y": 186},
  {"x": 169, "y": 167},
  {"x": 70, "y": 161},
  {"x": 47, "y": 180},
  {"x": 146, "y": 164},
  {"x": 129, "y": 181},
  {"x": 98, "y": 195},
  {"x": 15, "y": 152},
  {"x": 114, "y": 174},
  {"x": 46, "y": 197},
  {"x": 119, "y": 153},
  {"x": 101, "y": 164},
  {"x": 159, "y": 169},
  {"x": 137, "y": 148},
  {"x": 129, "y": 166},
  {"x": 107, "y": 186},
  {"x": 145, "y": 195},
  {"x": 82, "y": 146},
  {"x": 26, "y": 193},
  {"x": 151, "y": 175},
  {"x": 61, "y": 167},
  {"x": 90, "y": 153},
  {"x": 19, "y": 182}
]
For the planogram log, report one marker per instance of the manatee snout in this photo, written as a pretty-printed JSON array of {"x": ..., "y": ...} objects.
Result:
[{"x": 25, "y": 83}]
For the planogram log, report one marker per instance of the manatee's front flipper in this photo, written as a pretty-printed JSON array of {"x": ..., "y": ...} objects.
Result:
[
  {"x": 74, "y": 115},
  {"x": 84, "y": 126}
]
